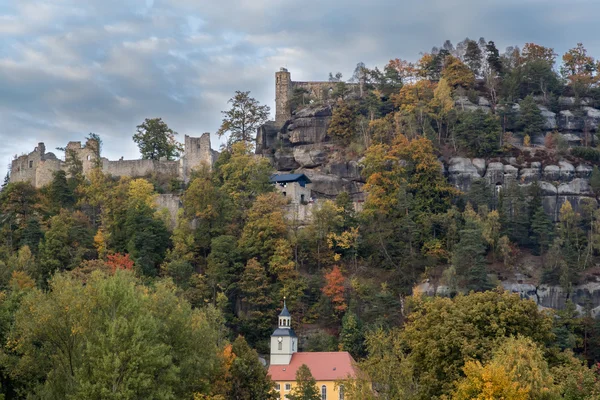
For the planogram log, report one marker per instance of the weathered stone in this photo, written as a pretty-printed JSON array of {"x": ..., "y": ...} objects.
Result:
[
  {"x": 495, "y": 173},
  {"x": 285, "y": 161},
  {"x": 309, "y": 126},
  {"x": 583, "y": 171},
  {"x": 577, "y": 187},
  {"x": 547, "y": 188},
  {"x": 567, "y": 170},
  {"x": 549, "y": 117},
  {"x": 309, "y": 157},
  {"x": 536, "y": 164},
  {"x": 479, "y": 164},
  {"x": 593, "y": 118},
  {"x": 461, "y": 172},
  {"x": 551, "y": 173},
  {"x": 347, "y": 170},
  {"x": 529, "y": 175},
  {"x": 330, "y": 185},
  {"x": 482, "y": 101},
  {"x": 569, "y": 121}
]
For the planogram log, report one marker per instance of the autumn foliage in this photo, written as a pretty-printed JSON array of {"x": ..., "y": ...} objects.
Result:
[
  {"x": 119, "y": 261},
  {"x": 334, "y": 289}
]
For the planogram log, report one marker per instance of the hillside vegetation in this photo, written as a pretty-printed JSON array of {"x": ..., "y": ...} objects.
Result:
[{"x": 101, "y": 297}]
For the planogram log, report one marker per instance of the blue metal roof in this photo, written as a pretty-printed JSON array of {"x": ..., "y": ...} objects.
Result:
[
  {"x": 284, "y": 332},
  {"x": 284, "y": 312},
  {"x": 289, "y": 178}
]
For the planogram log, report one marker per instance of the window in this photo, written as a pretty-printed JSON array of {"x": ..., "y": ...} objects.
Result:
[
  {"x": 277, "y": 387},
  {"x": 302, "y": 198},
  {"x": 31, "y": 164},
  {"x": 293, "y": 345},
  {"x": 89, "y": 157},
  {"x": 284, "y": 194},
  {"x": 341, "y": 392},
  {"x": 323, "y": 392},
  {"x": 279, "y": 346},
  {"x": 288, "y": 387}
]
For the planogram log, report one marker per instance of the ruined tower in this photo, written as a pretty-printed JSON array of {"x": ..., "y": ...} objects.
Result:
[{"x": 283, "y": 93}]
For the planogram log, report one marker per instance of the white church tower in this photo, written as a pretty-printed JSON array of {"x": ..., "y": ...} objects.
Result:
[{"x": 284, "y": 341}]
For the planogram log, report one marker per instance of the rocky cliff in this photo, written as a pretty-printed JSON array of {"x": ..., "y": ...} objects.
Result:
[{"x": 302, "y": 145}]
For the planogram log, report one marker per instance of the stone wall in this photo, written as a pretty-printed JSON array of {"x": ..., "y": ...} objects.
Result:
[
  {"x": 284, "y": 89},
  {"x": 137, "y": 168},
  {"x": 38, "y": 167},
  {"x": 197, "y": 153},
  {"x": 170, "y": 202}
]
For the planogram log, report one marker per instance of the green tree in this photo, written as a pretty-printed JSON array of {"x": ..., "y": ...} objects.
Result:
[
  {"x": 595, "y": 180},
  {"x": 147, "y": 238},
  {"x": 265, "y": 225},
  {"x": 516, "y": 371},
  {"x": 469, "y": 254},
  {"x": 343, "y": 122},
  {"x": 306, "y": 386},
  {"x": 530, "y": 121},
  {"x": 156, "y": 140},
  {"x": 243, "y": 119},
  {"x": 478, "y": 132},
  {"x": 442, "y": 333},
  {"x": 60, "y": 193},
  {"x": 352, "y": 337},
  {"x": 541, "y": 230},
  {"x": 67, "y": 242},
  {"x": 256, "y": 312},
  {"x": 111, "y": 338},
  {"x": 249, "y": 379}
]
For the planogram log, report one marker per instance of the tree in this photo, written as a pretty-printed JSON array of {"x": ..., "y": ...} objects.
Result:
[
  {"x": 441, "y": 334},
  {"x": 469, "y": 260},
  {"x": 156, "y": 140},
  {"x": 457, "y": 73},
  {"x": 580, "y": 69},
  {"x": 352, "y": 337},
  {"x": 243, "y": 119},
  {"x": 516, "y": 371},
  {"x": 334, "y": 289},
  {"x": 473, "y": 57},
  {"x": 530, "y": 122},
  {"x": 343, "y": 122},
  {"x": 306, "y": 386},
  {"x": 256, "y": 310},
  {"x": 111, "y": 338},
  {"x": 595, "y": 180},
  {"x": 265, "y": 225},
  {"x": 60, "y": 193},
  {"x": 478, "y": 132},
  {"x": 442, "y": 105},
  {"x": 249, "y": 379}
]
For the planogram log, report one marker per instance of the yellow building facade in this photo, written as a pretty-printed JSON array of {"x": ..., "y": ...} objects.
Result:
[{"x": 327, "y": 368}]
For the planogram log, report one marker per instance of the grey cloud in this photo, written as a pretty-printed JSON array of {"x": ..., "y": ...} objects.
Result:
[{"x": 69, "y": 67}]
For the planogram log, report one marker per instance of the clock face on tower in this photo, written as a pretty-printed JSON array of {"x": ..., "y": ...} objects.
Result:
[{"x": 280, "y": 339}]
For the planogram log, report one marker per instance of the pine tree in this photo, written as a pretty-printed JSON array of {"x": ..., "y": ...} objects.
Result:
[
  {"x": 530, "y": 121},
  {"x": 256, "y": 304},
  {"x": 595, "y": 180},
  {"x": 541, "y": 230},
  {"x": 343, "y": 122},
  {"x": 306, "y": 386},
  {"x": 352, "y": 338},
  {"x": 249, "y": 379},
  {"x": 469, "y": 259}
]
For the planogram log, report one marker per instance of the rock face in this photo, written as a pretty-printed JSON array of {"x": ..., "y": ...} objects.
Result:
[
  {"x": 558, "y": 183},
  {"x": 302, "y": 145},
  {"x": 545, "y": 296}
]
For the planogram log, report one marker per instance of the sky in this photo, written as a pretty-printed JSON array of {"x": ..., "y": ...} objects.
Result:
[{"x": 71, "y": 67}]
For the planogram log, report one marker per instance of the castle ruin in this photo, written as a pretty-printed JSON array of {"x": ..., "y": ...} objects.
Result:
[
  {"x": 39, "y": 166},
  {"x": 284, "y": 90}
]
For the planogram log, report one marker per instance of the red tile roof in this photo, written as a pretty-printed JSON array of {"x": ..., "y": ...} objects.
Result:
[{"x": 324, "y": 366}]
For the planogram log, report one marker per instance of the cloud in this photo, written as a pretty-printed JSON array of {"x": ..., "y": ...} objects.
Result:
[{"x": 69, "y": 67}]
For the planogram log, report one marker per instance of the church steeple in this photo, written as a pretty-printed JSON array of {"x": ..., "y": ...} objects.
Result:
[
  {"x": 285, "y": 319},
  {"x": 284, "y": 341}
]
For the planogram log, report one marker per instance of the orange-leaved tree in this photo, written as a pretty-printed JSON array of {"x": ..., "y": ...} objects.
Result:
[{"x": 334, "y": 289}]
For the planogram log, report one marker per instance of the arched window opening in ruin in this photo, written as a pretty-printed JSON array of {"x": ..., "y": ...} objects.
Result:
[{"x": 30, "y": 163}]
